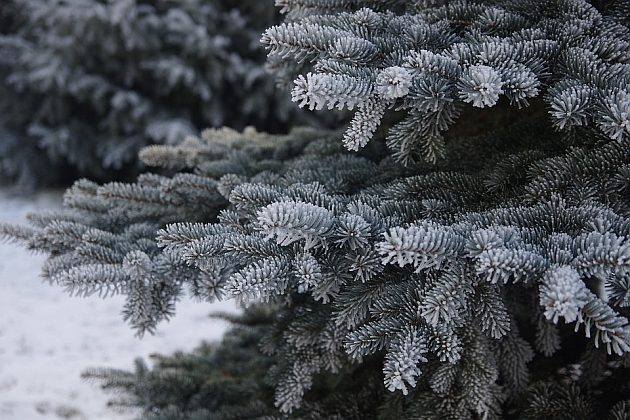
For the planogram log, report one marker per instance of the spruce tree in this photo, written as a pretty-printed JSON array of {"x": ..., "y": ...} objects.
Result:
[
  {"x": 85, "y": 84},
  {"x": 460, "y": 251}
]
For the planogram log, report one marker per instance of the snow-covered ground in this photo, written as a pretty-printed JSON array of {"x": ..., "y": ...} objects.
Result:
[{"x": 48, "y": 338}]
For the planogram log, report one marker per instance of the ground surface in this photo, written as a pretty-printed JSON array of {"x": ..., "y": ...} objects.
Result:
[{"x": 47, "y": 338}]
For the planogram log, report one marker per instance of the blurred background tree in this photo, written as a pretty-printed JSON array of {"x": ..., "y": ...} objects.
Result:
[{"x": 84, "y": 84}]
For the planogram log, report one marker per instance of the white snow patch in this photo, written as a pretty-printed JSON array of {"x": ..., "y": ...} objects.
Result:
[{"x": 48, "y": 338}]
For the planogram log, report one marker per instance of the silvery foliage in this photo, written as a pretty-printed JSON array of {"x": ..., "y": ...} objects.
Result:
[
  {"x": 87, "y": 83},
  {"x": 438, "y": 271},
  {"x": 433, "y": 59},
  {"x": 512, "y": 251}
]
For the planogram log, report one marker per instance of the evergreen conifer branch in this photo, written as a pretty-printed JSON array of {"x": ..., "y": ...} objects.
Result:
[{"x": 454, "y": 289}]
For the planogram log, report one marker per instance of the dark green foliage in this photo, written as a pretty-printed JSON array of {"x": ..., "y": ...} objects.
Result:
[{"x": 216, "y": 381}]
